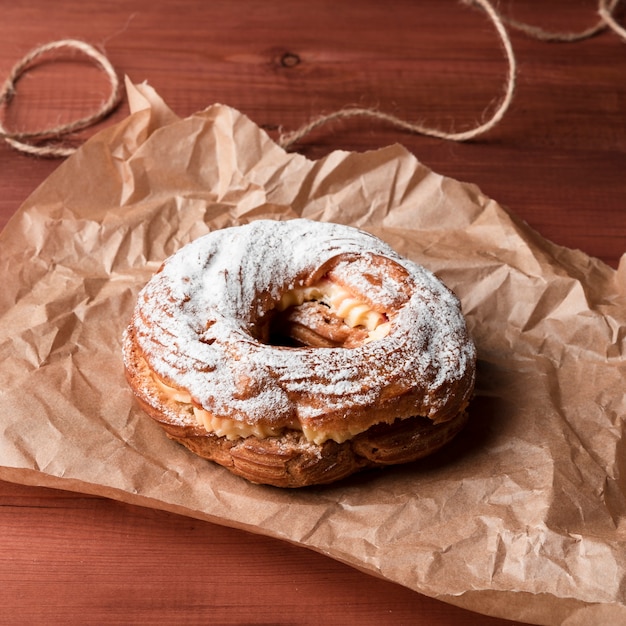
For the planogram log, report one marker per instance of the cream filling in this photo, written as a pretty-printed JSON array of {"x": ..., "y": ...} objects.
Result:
[
  {"x": 351, "y": 310},
  {"x": 233, "y": 429},
  {"x": 221, "y": 426}
]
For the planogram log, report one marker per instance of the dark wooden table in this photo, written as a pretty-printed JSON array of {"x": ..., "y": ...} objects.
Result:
[{"x": 557, "y": 159}]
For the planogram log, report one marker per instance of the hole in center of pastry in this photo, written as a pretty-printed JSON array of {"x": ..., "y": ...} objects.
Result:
[{"x": 325, "y": 315}]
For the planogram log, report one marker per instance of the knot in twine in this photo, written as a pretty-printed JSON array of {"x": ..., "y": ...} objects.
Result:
[
  {"x": 19, "y": 140},
  {"x": 22, "y": 140}
]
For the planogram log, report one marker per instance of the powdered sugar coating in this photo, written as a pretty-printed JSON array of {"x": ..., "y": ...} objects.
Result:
[{"x": 195, "y": 323}]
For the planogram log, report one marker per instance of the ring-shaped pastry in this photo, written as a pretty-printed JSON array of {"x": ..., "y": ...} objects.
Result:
[{"x": 297, "y": 352}]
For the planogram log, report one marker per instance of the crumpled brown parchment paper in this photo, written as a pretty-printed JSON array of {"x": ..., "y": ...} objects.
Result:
[{"x": 521, "y": 517}]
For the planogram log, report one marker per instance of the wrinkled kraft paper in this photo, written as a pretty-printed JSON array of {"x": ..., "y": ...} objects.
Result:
[{"x": 522, "y": 516}]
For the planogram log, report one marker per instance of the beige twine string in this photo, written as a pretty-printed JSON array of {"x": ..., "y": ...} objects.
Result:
[
  {"x": 286, "y": 140},
  {"x": 19, "y": 139},
  {"x": 605, "y": 9},
  {"x": 606, "y": 13}
]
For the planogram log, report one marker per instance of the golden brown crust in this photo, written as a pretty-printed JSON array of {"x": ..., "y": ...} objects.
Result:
[
  {"x": 289, "y": 460},
  {"x": 312, "y": 324}
]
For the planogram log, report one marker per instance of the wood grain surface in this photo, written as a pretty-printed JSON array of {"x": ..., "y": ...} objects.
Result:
[{"x": 557, "y": 159}]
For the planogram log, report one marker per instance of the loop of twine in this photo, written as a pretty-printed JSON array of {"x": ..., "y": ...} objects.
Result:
[
  {"x": 606, "y": 10},
  {"x": 19, "y": 140},
  {"x": 286, "y": 140}
]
